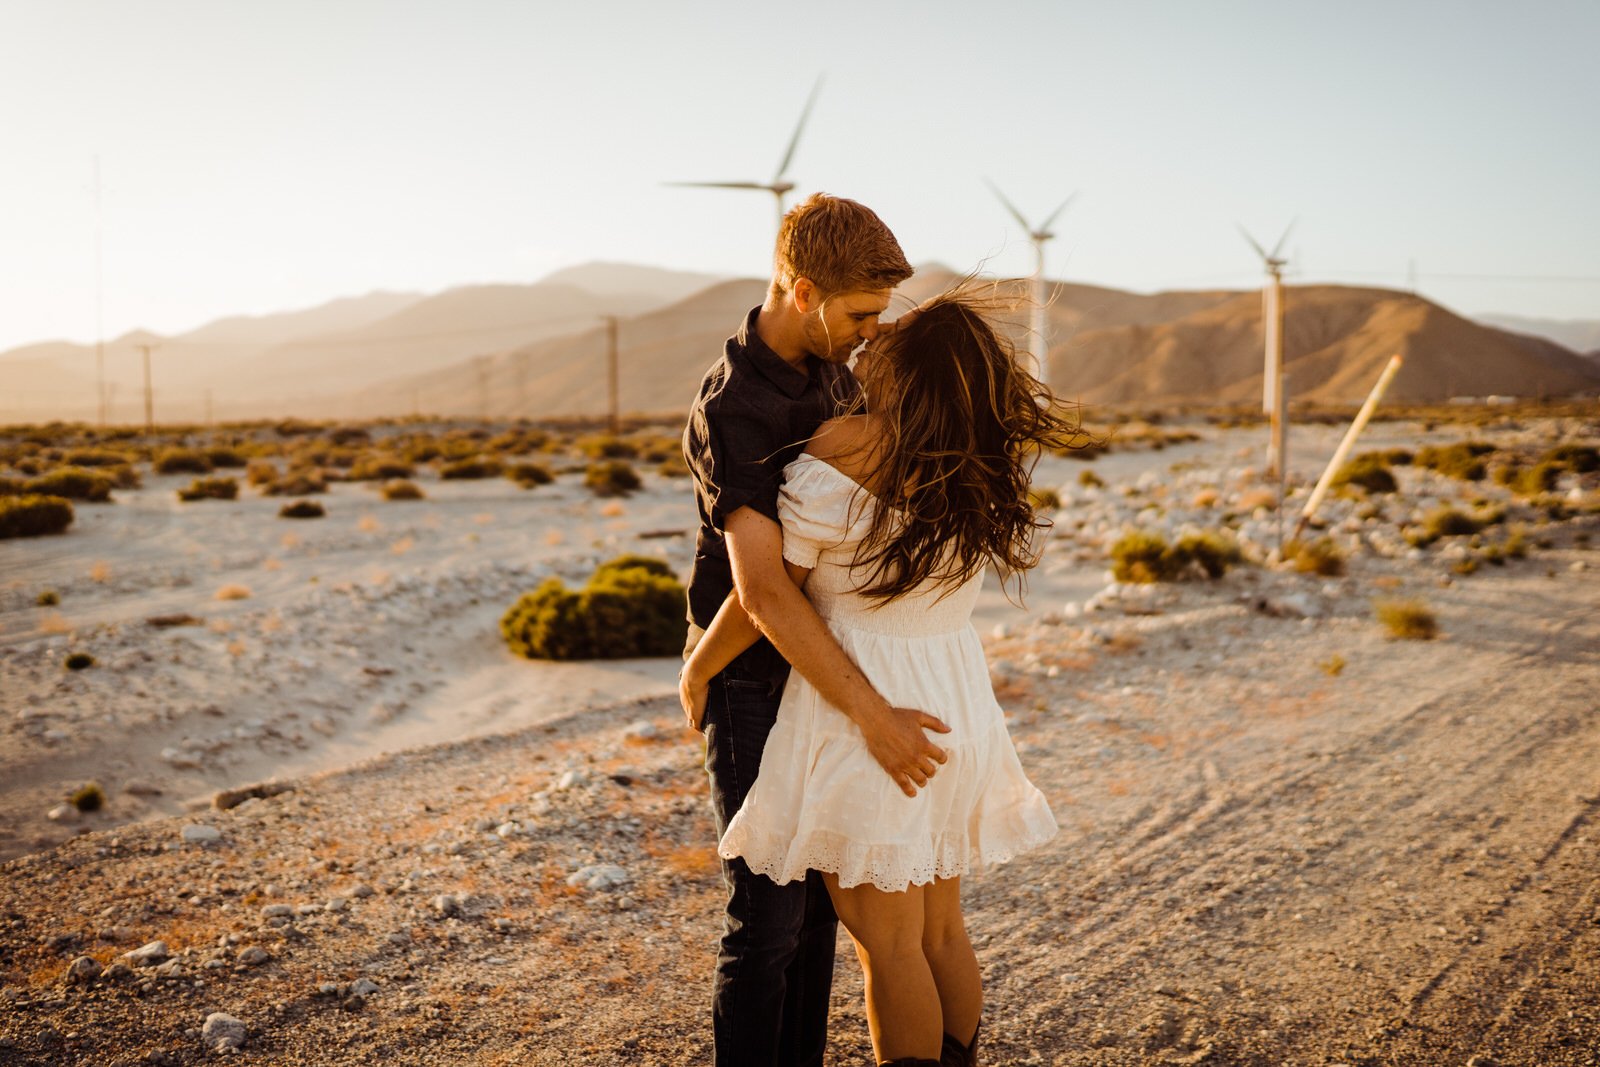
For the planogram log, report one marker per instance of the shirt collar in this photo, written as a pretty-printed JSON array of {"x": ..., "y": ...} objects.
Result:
[{"x": 748, "y": 342}]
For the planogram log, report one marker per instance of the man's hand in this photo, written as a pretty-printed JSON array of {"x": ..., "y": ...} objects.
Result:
[
  {"x": 896, "y": 740},
  {"x": 692, "y": 695}
]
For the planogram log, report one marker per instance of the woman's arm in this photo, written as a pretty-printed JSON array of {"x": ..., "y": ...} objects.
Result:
[{"x": 729, "y": 634}]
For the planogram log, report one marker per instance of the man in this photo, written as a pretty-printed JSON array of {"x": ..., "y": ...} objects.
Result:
[{"x": 779, "y": 378}]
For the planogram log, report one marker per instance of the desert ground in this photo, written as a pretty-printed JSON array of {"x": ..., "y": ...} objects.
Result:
[{"x": 1287, "y": 835}]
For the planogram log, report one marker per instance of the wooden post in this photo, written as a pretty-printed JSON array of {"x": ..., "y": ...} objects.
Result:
[{"x": 1350, "y": 436}]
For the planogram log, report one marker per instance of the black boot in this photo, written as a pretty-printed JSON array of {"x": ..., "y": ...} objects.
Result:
[{"x": 956, "y": 1054}]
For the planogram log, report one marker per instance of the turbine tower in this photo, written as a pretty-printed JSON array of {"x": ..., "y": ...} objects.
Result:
[
  {"x": 780, "y": 185},
  {"x": 1038, "y": 344},
  {"x": 1272, "y": 326}
]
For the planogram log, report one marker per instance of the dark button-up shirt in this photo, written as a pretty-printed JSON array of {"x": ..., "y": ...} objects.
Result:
[{"x": 753, "y": 415}]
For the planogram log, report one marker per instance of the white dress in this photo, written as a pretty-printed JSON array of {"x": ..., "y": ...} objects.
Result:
[{"x": 820, "y": 800}]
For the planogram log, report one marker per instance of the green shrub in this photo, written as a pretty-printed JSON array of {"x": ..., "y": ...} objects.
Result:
[
  {"x": 48, "y": 598},
  {"x": 124, "y": 476},
  {"x": 673, "y": 466},
  {"x": 1444, "y": 522},
  {"x": 302, "y": 509},
  {"x": 1142, "y": 556},
  {"x": 402, "y": 490},
  {"x": 223, "y": 456},
  {"x": 1397, "y": 457},
  {"x": 210, "y": 489},
  {"x": 96, "y": 457},
  {"x": 1407, "y": 619},
  {"x": 1090, "y": 480},
  {"x": 261, "y": 472},
  {"x": 73, "y": 483},
  {"x": 11, "y": 486},
  {"x": 1321, "y": 556},
  {"x": 611, "y": 477},
  {"x": 605, "y": 446},
  {"x": 1542, "y": 477},
  {"x": 1368, "y": 471},
  {"x": 529, "y": 475},
  {"x": 89, "y": 797},
  {"x": 1044, "y": 499},
  {"x": 380, "y": 469},
  {"x": 631, "y": 606},
  {"x": 297, "y": 483},
  {"x": 33, "y": 516},
  {"x": 78, "y": 661},
  {"x": 473, "y": 467},
  {"x": 1215, "y": 552},
  {"x": 1582, "y": 459},
  {"x": 182, "y": 461},
  {"x": 1516, "y": 546},
  {"x": 1462, "y": 460}
]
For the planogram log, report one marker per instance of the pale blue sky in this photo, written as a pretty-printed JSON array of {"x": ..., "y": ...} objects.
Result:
[{"x": 266, "y": 155}]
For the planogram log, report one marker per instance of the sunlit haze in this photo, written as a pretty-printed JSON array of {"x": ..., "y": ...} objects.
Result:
[{"x": 260, "y": 157}]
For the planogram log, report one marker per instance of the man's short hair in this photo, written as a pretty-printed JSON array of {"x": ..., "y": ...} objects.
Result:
[{"x": 842, "y": 246}]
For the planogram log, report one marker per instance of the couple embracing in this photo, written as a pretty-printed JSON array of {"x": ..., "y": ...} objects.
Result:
[{"x": 846, "y": 522}]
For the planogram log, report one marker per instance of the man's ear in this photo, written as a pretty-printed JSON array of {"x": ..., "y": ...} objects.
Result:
[{"x": 805, "y": 295}]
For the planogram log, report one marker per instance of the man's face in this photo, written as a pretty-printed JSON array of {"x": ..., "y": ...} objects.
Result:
[{"x": 843, "y": 321}]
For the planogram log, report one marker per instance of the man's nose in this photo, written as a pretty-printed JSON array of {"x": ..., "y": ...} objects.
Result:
[{"x": 869, "y": 330}]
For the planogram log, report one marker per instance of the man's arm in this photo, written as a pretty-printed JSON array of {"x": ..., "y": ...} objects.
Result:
[{"x": 781, "y": 611}]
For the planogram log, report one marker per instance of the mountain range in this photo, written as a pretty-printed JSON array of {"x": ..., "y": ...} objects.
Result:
[{"x": 541, "y": 349}]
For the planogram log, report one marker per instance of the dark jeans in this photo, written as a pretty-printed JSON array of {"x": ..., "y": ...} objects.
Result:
[{"x": 769, "y": 1003}]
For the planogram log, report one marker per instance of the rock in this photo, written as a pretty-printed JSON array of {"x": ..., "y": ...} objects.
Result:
[
  {"x": 141, "y": 788},
  {"x": 643, "y": 731},
  {"x": 507, "y": 829},
  {"x": 278, "y": 911},
  {"x": 253, "y": 956},
  {"x": 570, "y": 780},
  {"x": 117, "y": 972},
  {"x": 147, "y": 955},
  {"x": 447, "y": 904},
  {"x": 83, "y": 969},
  {"x": 63, "y": 813},
  {"x": 308, "y": 909},
  {"x": 183, "y": 761},
  {"x": 336, "y": 904},
  {"x": 598, "y": 876},
  {"x": 223, "y": 1031},
  {"x": 363, "y": 987},
  {"x": 170, "y": 969},
  {"x": 232, "y": 798},
  {"x": 361, "y": 892},
  {"x": 201, "y": 834}
]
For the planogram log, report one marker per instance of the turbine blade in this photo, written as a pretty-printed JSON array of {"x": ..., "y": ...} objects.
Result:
[
  {"x": 1010, "y": 207},
  {"x": 1279, "y": 246},
  {"x": 1044, "y": 227},
  {"x": 1262, "y": 252},
  {"x": 719, "y": 185},
  {"x": 794, "y": 142}
]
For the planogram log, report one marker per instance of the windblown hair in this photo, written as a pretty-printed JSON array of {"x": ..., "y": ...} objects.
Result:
[
  {"x": 963, "y": 426},
  {"x": 842, "y": 246}
]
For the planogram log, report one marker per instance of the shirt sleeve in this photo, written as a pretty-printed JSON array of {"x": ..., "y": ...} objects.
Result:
[
  {"x": 813, "y": 511},
  {"x": 741, "y": 471}
]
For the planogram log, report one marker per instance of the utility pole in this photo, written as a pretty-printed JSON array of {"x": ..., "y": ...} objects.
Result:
[
  {"x": 149, "y": 393},
  {"x": 611, "y": 373}
]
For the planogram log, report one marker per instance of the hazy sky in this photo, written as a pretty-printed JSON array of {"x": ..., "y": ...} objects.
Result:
[{"x": 272, "y": 154}]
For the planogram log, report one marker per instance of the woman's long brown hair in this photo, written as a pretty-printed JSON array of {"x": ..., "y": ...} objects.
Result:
[{"x": 963, "y": 425}]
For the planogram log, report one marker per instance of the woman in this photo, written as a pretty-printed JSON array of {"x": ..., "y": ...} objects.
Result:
[{"x": 890, "y": 518}]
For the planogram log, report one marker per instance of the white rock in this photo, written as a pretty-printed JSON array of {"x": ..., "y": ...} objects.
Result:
[
  {"x": 598, "y": 876},
  {"x": 570, "y": 780},
  {"x": 201, "y": 834},
  {"x": 336, "y": 904},
  {"x": 364, "y": 987},
  {"x": 507, "y": 829},
  {"x": 63, "y": 813},
  {"x": 83, "y": 969},
  {"x": 223, "y": 1031},
  {"x": 253, "y": 956},
  {"x": 277, "y": 911},
  {"x": 447, "y": 904},
  {"x": 147, "y": 955},
  {"x": 643, "y": 731}
]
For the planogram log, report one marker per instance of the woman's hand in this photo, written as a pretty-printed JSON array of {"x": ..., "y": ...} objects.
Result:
[{"x": 692, "y": 695}]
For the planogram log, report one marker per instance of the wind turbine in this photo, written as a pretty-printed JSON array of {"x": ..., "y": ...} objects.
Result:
[
  {"x": 1038, "y": 346},
  {"x": 779, "y": 186},
  {"x": 1272, "y": 326}
]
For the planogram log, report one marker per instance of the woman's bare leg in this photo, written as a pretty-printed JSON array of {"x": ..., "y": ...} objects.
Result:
[
  {"x": 951, "y": 959},
  {"x": 903, "y": 1011}
]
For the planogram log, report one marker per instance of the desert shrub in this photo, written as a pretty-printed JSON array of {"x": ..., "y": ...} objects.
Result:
[
  {"x": 261, "y": 472},
  {"x": 611, "y": 477},
  {"x": 1397, "y": 457},
  {"x": 302, "y": 509},
  {"x": 223, "y": 456},
  {"x": 1444, "y": 522},
  {"x": 78, "y": 661},
  {"x": 631, "y": 606},
  {"x": 31, "y": 515},
  {"x": 673, "y": 466},
  {"x": 422, "y": 450},
  {"x": 11, "y": 486},
  {"x": 123, "y": 475},
  {"x": 1582, "y": 459},
  {"x": 1333, "y": 665},
  {"x": 1369, "y": 472},
  {"x": 73, "y": 483},
  {"x": 473, "y": 467},
  {"x": 1090, "y": 480},
  {"x": 211, "y": 489},
  {"x": 518, "y": 442},
  {"x": 1407, "y": 619},
  {"x": 1321, "y": 556},
  {"x": 182, "y": 461},
  {"x": 1516, "y": 546},
  {"x": 88, "y": 797},
  {"x": 96, "y": 457},
  {"x": 529, "y": 475},
  {"x": 1044, "y": 499},
  {"x": 402, "y": 490},
  {"x": 1142, "y": 556},
  {"x": 297, "y": 483},
  {"x": 605, "y": 446},
  {"x": 1542, "y": 477},
  {"x": 1462, "y": 460},
  {"x": 47, "y": 598},
  {"x": 1215, "y": 552},
  {"x": 1465, "y": 565},
  {"x": 349, "y": 435},
  {"x": 380, "y": 469}
]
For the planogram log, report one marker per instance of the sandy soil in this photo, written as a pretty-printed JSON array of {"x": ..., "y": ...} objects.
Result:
[{"x": 1286, "y": 837}]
